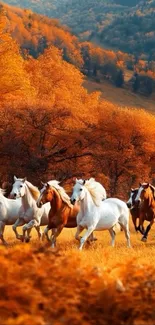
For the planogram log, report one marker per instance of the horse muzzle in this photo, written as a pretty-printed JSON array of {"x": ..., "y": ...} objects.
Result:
[
  {"x": 14, "y": 196},
  {"x": 72, "y": 201},
  {"x": 128, "y": 205}
]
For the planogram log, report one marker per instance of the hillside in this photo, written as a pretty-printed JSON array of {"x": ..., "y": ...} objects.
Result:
[
  {"x": 134, "y": 31},
  {"x": 81, "y": 16},
  {"x": 121, "y": 96},
  {"x": 125, "y": 25},
  {"x": 35, "y": 32}
]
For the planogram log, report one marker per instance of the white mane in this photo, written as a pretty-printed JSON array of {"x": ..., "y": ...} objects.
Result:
[
  {"x": 64, "y": 196},
  {"x": 33, "y": 190},
  {"x": 96, "y": 190}
]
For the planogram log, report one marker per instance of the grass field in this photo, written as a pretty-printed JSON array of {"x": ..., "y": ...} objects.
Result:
[
  {"x": 99, "y": 285},
  {"x": 100, "y": 253},
  {"x": 121, "y": 96}
]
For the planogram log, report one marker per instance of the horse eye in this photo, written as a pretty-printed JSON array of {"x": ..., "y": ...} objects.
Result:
[
  {"x": 21, "y": 185},
  {"x": 80, "y": 189}
]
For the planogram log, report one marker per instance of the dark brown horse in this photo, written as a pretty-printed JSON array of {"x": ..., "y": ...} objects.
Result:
[
  {"x": 135, "y": 210},
  {"x": 146, "y": 198},
  {"x": 62, "y": 213}
]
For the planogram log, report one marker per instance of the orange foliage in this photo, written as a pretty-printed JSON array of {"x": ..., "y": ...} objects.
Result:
[
  {"x": 40, "y": 287},
  {"x": 58, "y": 130}
]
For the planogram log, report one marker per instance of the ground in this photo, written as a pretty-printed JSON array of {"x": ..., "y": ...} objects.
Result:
[
  {"x": 121, "y": 96},
  {"x": 100, "y": 285},
  {"x": 101, "y": 253}
]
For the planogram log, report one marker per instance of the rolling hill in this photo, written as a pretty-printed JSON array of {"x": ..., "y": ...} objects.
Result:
[
  {"x": 134, "y": 32},
  {"x": 83, "y": 16},
  {"x": 126, "y": 25}
]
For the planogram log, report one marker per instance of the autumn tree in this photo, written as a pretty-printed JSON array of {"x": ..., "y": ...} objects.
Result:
[{"x": 14, "y": 81}]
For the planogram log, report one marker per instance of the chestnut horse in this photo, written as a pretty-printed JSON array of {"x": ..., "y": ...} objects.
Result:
[
  {"x": 146, "y": 198},
  {"x": 62, "y": 213}
]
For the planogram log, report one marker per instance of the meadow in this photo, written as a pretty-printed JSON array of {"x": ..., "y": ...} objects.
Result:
[{"x": 99, "y": 285}]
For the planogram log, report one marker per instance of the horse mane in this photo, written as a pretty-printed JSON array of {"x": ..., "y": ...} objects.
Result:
[
  {"x": 96, "y": 190},
  {"x": 33, "y": 190},
  {"x": 151, "y": 187},
  {"x": 64, "y": 196}
]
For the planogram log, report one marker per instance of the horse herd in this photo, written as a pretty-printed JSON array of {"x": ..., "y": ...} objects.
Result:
[{"x": 88, "y": 208}]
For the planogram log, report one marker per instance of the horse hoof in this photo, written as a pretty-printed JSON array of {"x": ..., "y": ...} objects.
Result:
[
  {"x": 144, "y": 239},
  {"x": 27, "y": 240}
]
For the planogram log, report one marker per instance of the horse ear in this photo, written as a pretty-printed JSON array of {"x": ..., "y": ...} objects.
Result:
[
  {"x": 15, "y": 178},
  {"x": 43, "y": 183},
  {"x": 140, "y": 184},
  {"x": 24, "y": 179},
  {"x": 47, "y": 185},
  {"x": 132, "y": 190},
  {"x": 84, "y": 181},
  {"x": 147, "y": 185}
]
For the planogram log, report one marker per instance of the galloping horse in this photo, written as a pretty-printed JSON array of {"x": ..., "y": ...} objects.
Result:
[
  {"x": 9, "y": 210},
  {"x": 29, "y": 213},
  {"x": 62, "y": 213},
  {"x": 135, "y": 209},
  {"x": 146, "y": 198},
  {"x": 96, "y": 214}
]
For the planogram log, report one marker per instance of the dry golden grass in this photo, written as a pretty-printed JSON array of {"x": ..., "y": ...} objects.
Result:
[
  {"x": 100, "y": 253},
  {"x": 120, "y": 96},
  {"x": 100, "y": 285}
]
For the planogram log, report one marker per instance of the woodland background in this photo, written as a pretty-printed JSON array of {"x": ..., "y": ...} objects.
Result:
[
  {"x": 55, "y": 124},
  {"x": 50, "y": 126}
]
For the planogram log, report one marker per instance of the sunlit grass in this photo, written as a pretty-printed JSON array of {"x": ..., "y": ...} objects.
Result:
[{"x": 100, "y": 253}]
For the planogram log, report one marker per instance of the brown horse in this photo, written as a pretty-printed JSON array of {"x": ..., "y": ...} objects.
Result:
[
  {"x": 62, "y": 213},
  {"x": 146, "y": 198},
  {"x": 135, "y": 209}
]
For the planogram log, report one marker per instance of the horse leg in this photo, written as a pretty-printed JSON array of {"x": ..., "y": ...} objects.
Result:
[
  {"x": 39, "y": 232},
  {"x": 45, "y": 233},
  {"x": 141, "y": 222},
  {"x": 144, "y": 238},
  {"x": 56, "y": 233},
  {"x": 134, "y": 220},
  {"x": 29, "y": 226},
  {"x": 127, "y": 233},
  {"x": 78, "y": 232},
  {"x": 2, "y": 227},
  {"x": 113, "y": 235},
  {"x": 91, "y": 238},
  {"x": 85, "y": 237},
  {"x": 19, "y": 222}
]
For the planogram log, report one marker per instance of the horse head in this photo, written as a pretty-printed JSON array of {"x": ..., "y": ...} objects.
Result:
[
  {"x": 146, "y": 191},
  {"x": 78, "y": 191},
  {"x": 131, "y": 203},
  {"x": 18, "y": 188},
  {"x": 46, "y": 195}
]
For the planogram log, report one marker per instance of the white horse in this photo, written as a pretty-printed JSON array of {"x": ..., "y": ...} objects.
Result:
[
  {"x": 9, "y": 210},
  {"x": 96, "y": 214},
  {"x": 29, "y": 214}
]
